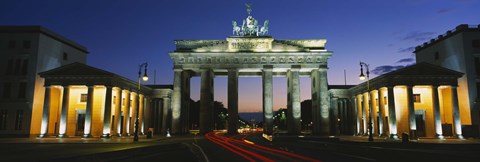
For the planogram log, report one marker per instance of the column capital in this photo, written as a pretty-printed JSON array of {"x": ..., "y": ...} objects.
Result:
[{"x": 176, "y": 69}]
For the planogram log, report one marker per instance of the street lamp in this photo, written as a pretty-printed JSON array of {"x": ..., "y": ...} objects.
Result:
[
  {"x": 144, "y": 78},
  {"x": 362, "y": 77}
]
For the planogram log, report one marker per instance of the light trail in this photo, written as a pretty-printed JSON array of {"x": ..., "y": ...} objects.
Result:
[{"x": 251, "y": 151}]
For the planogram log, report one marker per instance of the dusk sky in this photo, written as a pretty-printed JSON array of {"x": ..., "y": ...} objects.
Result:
[{"x": 121, "y": 34}]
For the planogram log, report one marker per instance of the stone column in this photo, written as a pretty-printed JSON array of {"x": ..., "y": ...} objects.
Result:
[
  {"x": 392, "y": 119},
  {"x": 177, "y": 101},
  {"x": 64, "y": 114},
  {"x": 365, "y": 113},
  {"x": 373, "y": 112},
  {"x": 267, "y": 85},
  {"x": 436, "y": 112},
  {"x": 133, "y": 113},
  {"x": 166, "y": 124},
  {"x": 126, "y": 115},
  {"x": 107, "y": 114},
  {"x": 141, "y": 107},
  {"x": 46, "y": 112},
  {"x": 118, "y": 110},
  {"x": 206, "y": 101},
  {"x": 185, "y": 117},
  {"x": 320, "y": 102},
  {"x": 293, "y": 105},
  {"x": 456, "y": 114},
  {"x": 233, "y": 101},
  {"x": 411, "y": 112},
  {"x": 381, "y": 111},
  {"x": 358, "y": 119},
  {"x": 334, "y": 116},
  {"x": 88, "y": 112}
]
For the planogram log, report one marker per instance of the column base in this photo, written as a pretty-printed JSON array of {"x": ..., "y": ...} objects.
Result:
[
  {"x": 440, "y": 136},
  {"x": 42, "y": 135},
  {"x": 106, "y": 136},
  {"x": 62, "y": 136},
  {"x": 459, "y": 136},
  {"x": 87, "y": 136},
  {"x": 394, "y": 136}
]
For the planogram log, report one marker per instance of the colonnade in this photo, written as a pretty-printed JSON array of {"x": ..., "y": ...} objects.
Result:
[
  {"x": 112, "y": 119},
  {"x": 320, "y": 99},
  {"x": 391, "y": 100}
]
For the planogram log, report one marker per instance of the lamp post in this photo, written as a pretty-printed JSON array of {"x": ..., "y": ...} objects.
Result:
[
  {"x": 145, "y": 78},
  {"x": 362, "y": 77}
]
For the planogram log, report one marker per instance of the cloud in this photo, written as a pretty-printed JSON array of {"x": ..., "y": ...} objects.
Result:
[
  {"x": 405, "y": 50},
  {"x": 389, "y": 68},
  {"x": 405, "y": 60},
  {"x": 444, "y": 10},
  {"x": 417, "y": 36},
  {"x": 386, "y": 69}
]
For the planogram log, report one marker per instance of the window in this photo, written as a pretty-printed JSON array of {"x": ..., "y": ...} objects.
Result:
[
  {"x": 437, "y": 56},
  {"x": 83, "y": 97},
  {"x": 25, "y": 67},
  {"x": 65, "y": 56},
  {"x": 385, "y": 101},
  {"x": 26, "y": 44},
  {"x": 7, "y": 90},
  {"x": 416, "y": 98},
  {"x": 19, "y": 120},
  {"x": 11, "y": 44},
  {"x": 477, "y": 66},
  {"x": 476, "y": 43},
  {"x": 22, "y": 90},
  {"x": 114, "y": 99},
  {"x": 3, "y": 119},
  {"x": 17, "y": 66},
  {"x": 9, "y": 67},
  {"x": 123, "y": 101}
]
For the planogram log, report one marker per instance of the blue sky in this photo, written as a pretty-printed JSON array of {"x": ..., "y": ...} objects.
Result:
[{"x": 121, "y": 34}]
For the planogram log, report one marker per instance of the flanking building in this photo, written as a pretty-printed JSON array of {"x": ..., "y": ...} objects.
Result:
[{"x": 24, "y": 52}]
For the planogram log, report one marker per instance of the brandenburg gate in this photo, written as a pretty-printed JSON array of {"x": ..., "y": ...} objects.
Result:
[{"x": 250, "y": 52}]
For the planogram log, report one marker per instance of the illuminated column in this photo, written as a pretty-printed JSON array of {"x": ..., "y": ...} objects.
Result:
[
  {"x": 334, "y": 116},
  {"x": 381, "y": 111},
  {"x": 107, "y": 114},
  {"x": 166, "y": 119},
  {"x": 456, "y": 114},
  {"x": 233, "y": 101},
  {"x": 176, "y": 100},
  {"x": 88, "y": 112},
  {"x": 126, "y": 115},
  {"x": 118, "y": 109},
  {"x": 267, "y": 85},
  {"x": 293, "y": 102},
  {"x": 206, "y": 101},
  {"x": 64, "y": 114},
  {"x": 392, "y": 117},
  {"x": 356, "y": 123},
  {"x": 373, "y": 111},
  {"x": 46, "y": 112},
  {"x": 320, "y": 102},
  {"x": 365, "y": 113},
  {"x": 133, "y": 112},
  {"x": 141, "y": 107},
  {"x": 436, "y": 112},
  {"x": 411, "y": 111}
]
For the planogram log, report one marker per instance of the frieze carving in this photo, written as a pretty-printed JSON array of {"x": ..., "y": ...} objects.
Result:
[
  {"x": 249, "y": 44},
  {"x": 251, "y": 60}
]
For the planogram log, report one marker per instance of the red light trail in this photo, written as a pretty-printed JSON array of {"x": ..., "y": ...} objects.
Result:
[{"x": 253, "y": 152}]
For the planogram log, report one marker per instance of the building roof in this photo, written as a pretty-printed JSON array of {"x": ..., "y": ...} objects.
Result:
[
  {"x": 43, "y": 30},
  {"x": 81, "y": 74},
  {"x": 459, "y": 29},
  {"x": 418, "y": 74}
]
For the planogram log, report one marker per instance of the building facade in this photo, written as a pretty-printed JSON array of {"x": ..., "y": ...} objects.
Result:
[
  {"x": 459, "y": 50},
  {"x": 24, "y": 52}
]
